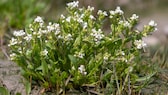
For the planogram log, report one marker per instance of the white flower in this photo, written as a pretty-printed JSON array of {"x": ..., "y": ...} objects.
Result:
[
  {"x": 73, "y": 4},
  {"x": 134, "y": 17},
  {"x": 44, "y": 52},
  {"x": 122, "y": 53},
  {"x": 121, "y": 22},
  {"x": 126, "y": 24},
  {"x": 91, "y": 17},
  {"x": 84, "y": 25},
  {"x": 12, "y": 56},
  {"x": 79, "y": 54},
  {"x": 119, "y": 11},
  {"x": 19, "y": 33},
  {"x": 57, "y": 32},
  {"x": 43, "y": 32},
  {"x": 98, "y": 35},
  {"x": 13, "y": 41},
  {"x": 30, "y": 27},
  {"x": 20, "y": 50},
  {"x": 140, "y": 44},
  {"x": 130, "y": 68},
  {"x": 152, "y": 23},
  {"x": 50, "y": 27},
  {"x": 100, "y": 12},
  {"x": 82, "y": 69},
  {"x": 62, "y": 16},
  {"x": 124, "y": 59},
  {"x": 106, "y": 56},
  {"x": 112, "y": 12},
  {"x": 80, "y": 9},
  {"x": 53, "y": 27},
  {"x": 80, "y": 20},
  {"x": 46, "y": 41},
  {"x": 38, "y": 19},
  {"x": 82, "y": 15},
  {"x": 73, "y": 68},
  {"x": 28, "y": 37},
  {"x": 68, "y": 19},
  {"x": 28, "y": 52},
  {"x": 90, "y": 8},
  {"x": 68, "y": 37},
  {"x": 155, "y": 29},
  {"x": 60, "y": 37}
]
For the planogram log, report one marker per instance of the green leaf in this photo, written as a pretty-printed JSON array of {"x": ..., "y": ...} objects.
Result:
[
  {"x": 64, "y": 75},
  {"x": 4, "y": 91},
  {"x": 128, "y": 70},
  {"x": 72, "y": 59},
  {"x": 145, "y": 78},
  {"x": 90, "y": 64},
  {"x": 50, "y": 45},
  {"x": 39, "y": 68},
  {"x": 44, "y": 67},
  {"x": 107, "y": 74},
  {"x": 94, "y": 69},
  {"x": 46, "y": 84},
  {"x": 28, "y": 87},
  {"x": 114, "y": 44},
  {"x": 77, "y": 41}
]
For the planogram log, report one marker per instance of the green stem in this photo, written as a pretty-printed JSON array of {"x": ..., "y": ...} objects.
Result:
[
  {"x": 126, "y": 79},
  {"x": 116, "y": 78}
]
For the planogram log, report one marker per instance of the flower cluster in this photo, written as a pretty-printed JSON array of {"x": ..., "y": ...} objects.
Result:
[
  {"x": 68, "y": 37},
  {"x": 106, "y": 56},
  {"x": 100, "y": 12},
  {"x": 19, "y": 33},
  {"x": 44, "y": 52},
  {"x": 39, "y": 20},
  {"x": 134, "y": 17},
  {"x": 73, "y": 4},
  {"x": 82, "y": 69},
  {"x": 28, "y": 37},
  {"x": 124, "y": 23},
  {"x": 140, "y": 44},
  {"x": 152, "y": 23},
  {"x": 79, "y": 54},
  {"x": 117, "y": 11},
  {"x": 90, "y": 8},
  {"x": 98, "y": 35},
  {"x": 53, "y": 27},
  {"x": 13, "y": 41}
]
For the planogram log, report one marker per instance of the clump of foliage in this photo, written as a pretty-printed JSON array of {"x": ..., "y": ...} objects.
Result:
[{"x": 74, "y": 53}]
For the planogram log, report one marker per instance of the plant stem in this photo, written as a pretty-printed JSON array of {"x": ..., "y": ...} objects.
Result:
[
  {"x": 116, "y": 78},
  {"x": 129, "y": 88},
  {"x": 126, "y": 79}
]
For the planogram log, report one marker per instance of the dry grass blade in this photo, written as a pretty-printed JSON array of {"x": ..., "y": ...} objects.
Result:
[{"x": 94, "y": 92}]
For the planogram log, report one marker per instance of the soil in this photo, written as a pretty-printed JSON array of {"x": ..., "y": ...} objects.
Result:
[{"x": 10, "y": 77}]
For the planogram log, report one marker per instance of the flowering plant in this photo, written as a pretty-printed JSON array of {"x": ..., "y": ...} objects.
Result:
[{"x": 75, "y": 53}]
